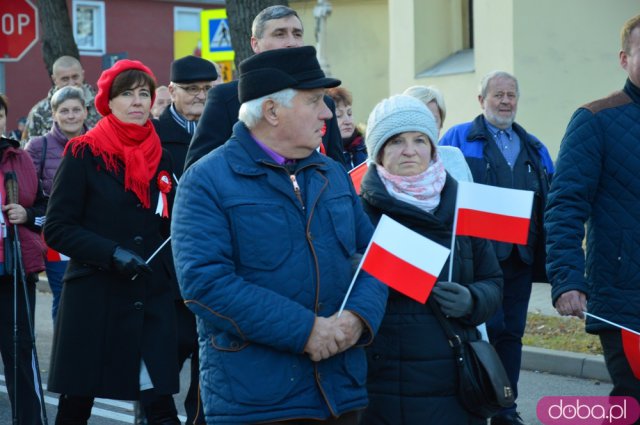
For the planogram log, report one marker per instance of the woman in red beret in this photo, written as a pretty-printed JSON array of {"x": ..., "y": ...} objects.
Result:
[{"x": 115, "y": 331}]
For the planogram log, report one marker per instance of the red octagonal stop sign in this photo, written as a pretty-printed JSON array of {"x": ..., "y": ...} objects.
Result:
[{"x": 18, "y": 29}]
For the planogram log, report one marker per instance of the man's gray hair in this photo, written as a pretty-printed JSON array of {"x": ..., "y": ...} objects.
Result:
[
  {"x": 65, "y": 62},
  {"x": 67, "y": 93},
  {"x": 270, "y": 13},
  {"x": 251, "y": 112},
  {"x": 484, "y": 83}
]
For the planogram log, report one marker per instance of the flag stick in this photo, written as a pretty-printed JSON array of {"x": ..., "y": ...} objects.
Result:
[
  {"x": 612, "y": 323},
  {"x": 154, "y": 253},
  {"x": 158, "y": 250},
  {"x": 453, "y": 240},
  {"x": 355, "y": 275}
]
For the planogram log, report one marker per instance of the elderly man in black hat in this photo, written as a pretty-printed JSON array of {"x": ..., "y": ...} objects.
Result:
[
  {"x": 264, "y": 231},
  {"x": 191, "y": 79}
]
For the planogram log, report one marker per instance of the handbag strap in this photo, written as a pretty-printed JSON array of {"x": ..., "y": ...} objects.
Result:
[
  {"x": 43, "y": 157},
  {"x": 454, "y": 339}
]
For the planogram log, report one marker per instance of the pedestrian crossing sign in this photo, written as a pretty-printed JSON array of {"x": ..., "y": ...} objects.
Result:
[{"x": 216, "y": 37}]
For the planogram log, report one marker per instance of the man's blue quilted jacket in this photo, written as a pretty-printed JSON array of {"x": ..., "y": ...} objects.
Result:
[{"x": 597, "y": 182}]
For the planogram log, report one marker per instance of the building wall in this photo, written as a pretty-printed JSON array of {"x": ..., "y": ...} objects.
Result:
[
  {"x": 142, "y": 28},
  {"x": 357, "y": 48},
  {"x": 563, "y": 53},
  {"x": 565, "y": 59}
]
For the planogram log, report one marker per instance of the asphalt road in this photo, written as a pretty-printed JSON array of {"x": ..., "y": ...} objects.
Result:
[{"x": 533, "y": 385}]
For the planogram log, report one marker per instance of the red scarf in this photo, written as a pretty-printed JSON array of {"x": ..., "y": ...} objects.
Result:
[{"x": 136, "y": 146}]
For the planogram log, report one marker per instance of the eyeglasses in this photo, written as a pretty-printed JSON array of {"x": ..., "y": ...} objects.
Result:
[{"x": 195, "y": 90}]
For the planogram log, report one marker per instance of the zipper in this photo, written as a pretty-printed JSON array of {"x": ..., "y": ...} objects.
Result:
[{"x": 296, "y": 189}]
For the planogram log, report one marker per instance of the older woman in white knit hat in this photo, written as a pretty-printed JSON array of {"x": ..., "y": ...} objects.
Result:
[{"x": 412, "y": 374}]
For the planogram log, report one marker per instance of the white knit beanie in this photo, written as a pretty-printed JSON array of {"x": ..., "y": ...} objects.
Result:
[{"x": 395, "y": 115}]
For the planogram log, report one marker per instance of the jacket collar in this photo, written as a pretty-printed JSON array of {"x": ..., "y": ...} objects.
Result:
[
  {"x": 58, "y": 136},
  {"x": 246, "y": 157},
  {"x": 480, "y": 133},
  {"x": 5, "y": 142},
  {"x": 632, "y": 90}
]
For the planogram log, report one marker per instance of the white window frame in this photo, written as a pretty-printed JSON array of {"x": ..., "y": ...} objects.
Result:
[
  {"x": 177, "y": 10},
  {"x": 99, "y": 46}
]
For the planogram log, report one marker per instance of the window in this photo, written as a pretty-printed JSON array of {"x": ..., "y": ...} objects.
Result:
[
  {"x": 186, "y": 19},
  {"x": 444, "y": 37},
  {"x": 89, "y": 27},
  {"x": 186, "y": 31}
]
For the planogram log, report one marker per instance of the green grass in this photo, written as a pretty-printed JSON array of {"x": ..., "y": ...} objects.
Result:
[{"x": 560, "y": 333}]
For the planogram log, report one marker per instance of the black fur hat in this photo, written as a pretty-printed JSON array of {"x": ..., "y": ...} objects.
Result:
[
  {"x": 192, "y": 68},
  {"x": 274, "y": 70}
]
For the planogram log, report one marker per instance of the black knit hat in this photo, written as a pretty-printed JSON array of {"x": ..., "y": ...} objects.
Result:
[
  {"x": 192, "y": 68},
  {"x": 274, "y": 70}
]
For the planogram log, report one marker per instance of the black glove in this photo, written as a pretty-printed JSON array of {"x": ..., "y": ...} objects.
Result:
[
  {"x": 128, "y": 263},
  {"x": 455, "y": 300}
]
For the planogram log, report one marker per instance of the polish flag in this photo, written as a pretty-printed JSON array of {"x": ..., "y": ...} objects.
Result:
[
  {"x": 404, "y": 260},
  {"x": 492, "y": 212},
  {"x": 357, "y": 173},
  {"x": 631, "y": 346},
  {"x": 53, "y": 256}
]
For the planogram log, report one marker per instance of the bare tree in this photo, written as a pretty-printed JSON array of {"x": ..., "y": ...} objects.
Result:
[
  {"x": 56, "y": 34},
  {"x": 240, "y": 15}
]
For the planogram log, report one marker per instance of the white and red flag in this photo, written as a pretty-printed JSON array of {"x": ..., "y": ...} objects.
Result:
[
  {"x": 492, "y": 212},
  {"x": 630, "y": 343},
  {"x": 631, "y": 347},
  {"x": 357, "y": 173},
  {"x": 404, "y": 260}
]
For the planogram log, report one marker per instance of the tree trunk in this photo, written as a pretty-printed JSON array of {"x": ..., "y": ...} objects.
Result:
[
  {"x": 240, "y": 15},
  {"x": 56, "y": 32}
]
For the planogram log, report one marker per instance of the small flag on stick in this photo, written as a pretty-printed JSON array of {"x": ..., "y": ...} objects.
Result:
[
  {"x": 404, "y": 260},
  {"x": 630, "y": 344},
  {"x": 492, "y": 212},
  {"x": 357, "y": 173}
]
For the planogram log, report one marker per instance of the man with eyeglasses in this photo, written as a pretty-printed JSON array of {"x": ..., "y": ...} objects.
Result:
[{"x": 191, "y": 79}]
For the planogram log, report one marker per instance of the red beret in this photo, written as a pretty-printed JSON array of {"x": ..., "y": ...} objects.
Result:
[{"x": 106, "y": 81}]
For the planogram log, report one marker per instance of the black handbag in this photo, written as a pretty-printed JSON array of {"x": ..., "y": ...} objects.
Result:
[{"x": 483, "y": 385}]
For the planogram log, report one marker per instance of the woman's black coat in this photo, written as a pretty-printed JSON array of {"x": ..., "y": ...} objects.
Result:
[
  {"x": 412, "y": 375},
  {"x": 106, "y": 322}
]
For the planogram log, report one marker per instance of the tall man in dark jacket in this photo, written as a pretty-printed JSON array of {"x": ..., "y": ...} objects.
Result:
[
  {"x": 275, "y": 27},
  {"x": 597, "y": 183},
  {"x": 191, "y": 79},
  {"x": 502, "y": 153}
]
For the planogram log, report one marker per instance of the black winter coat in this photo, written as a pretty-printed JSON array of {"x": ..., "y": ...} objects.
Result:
[
  {"x": 107, "y": 322},
  {"x": 412, "y": 375},
  {"x": 221, "y": 113},
  {"x": 174, "y": 138}
]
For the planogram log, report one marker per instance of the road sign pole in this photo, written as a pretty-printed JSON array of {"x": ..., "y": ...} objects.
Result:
[{"x": 3, "y": 85}]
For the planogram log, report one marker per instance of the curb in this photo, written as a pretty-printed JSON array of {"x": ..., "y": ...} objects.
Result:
[{"x": 579, "y": 365}]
